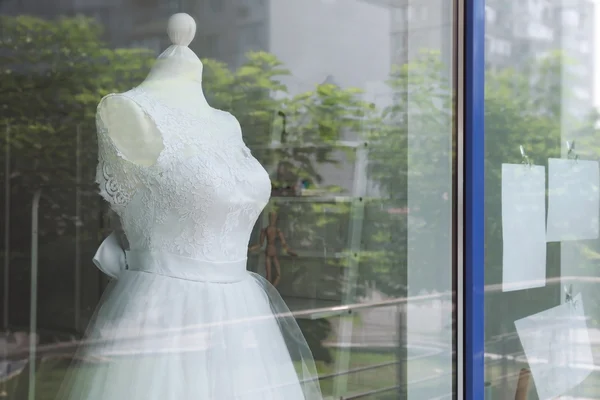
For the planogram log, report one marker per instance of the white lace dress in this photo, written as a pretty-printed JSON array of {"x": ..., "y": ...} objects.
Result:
[{"x": 184, "y": 320}]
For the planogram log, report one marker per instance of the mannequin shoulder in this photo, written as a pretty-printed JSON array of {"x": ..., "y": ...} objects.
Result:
[
  {"x": 115, "y": 106},
  {"x": 131, "y": 130}
]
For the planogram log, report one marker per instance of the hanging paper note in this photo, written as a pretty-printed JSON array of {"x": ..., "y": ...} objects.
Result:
[
  {"x": 573, "y": 200},
  {"x": 557, "y": 347},
  {"x": 523, "y": 226}
]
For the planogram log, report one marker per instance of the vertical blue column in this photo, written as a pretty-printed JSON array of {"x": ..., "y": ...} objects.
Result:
[{"x": 474, "y": 239}]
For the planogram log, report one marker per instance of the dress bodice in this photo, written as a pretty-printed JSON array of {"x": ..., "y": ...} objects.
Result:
[{"x": 201, "y": 206}]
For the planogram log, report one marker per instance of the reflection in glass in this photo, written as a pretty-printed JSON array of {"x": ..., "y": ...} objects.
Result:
[
  {"x": 347, "y": 105},
  {"x": 539, "y": 94}
]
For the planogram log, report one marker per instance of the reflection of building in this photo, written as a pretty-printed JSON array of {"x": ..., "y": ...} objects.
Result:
[
  {"x": 579, "y": 45},
  {"x": 126, "y": 22},
  {"x": 348, "y": 40},
  {"x": 419, "y": 26},
  {"x": 516, "y": 34},
  {"x": 519, "y": 32}
]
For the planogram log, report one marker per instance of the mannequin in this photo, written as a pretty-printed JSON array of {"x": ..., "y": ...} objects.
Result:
[
  {"x": 175, "y": 79},
  {"x": 183, "y": 318},
  {"x": 271, "y": 234}
]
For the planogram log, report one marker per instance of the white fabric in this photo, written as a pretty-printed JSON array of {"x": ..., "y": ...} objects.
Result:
[
  {"x": 109, "y": 257},
  {"x": 184, "y": 320},
  {"x": 201, "y": 206}
]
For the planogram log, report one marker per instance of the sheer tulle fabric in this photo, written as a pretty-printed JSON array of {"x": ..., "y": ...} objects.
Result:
[{"x": 157, "y": 337}]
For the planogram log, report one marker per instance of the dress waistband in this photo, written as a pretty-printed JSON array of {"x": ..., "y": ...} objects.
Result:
[
  {"x": 180, "y": 267},
  {"x": 113, "y": 260}
]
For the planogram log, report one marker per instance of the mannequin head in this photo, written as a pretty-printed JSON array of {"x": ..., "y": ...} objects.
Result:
[{"x": 181, "y": 29}]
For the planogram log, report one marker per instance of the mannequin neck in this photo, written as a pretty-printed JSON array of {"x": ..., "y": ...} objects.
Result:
[{"x": 176, "y": 78}]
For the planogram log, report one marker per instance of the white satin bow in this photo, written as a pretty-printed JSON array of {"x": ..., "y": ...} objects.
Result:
[{"x": 110, "y": 257}]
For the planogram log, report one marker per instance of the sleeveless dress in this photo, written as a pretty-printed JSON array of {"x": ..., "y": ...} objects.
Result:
[{"x": 183, "y": 319}]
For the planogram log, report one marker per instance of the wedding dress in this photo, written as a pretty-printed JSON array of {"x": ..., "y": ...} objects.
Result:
[{"x": 184, "y": 320}]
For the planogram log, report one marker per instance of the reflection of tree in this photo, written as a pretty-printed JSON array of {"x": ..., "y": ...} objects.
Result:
[
  {"x": 52, "y": 74},
  {"x": 422, "y": 114},
  {"x": 262, "y": 104},
  {"x": 526, "y": 108}
]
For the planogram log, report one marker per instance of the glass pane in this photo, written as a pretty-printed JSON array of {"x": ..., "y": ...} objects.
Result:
[
  {"x": 541, "y": 199},
  {"x": 125, "y": 217}
]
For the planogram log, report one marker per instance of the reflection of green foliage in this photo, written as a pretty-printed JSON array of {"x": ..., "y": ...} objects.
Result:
[
  {"x": 528, "y": 109},
  {"x": 420, "y": 113},
  {"x": 523, "y": 109},
  {"x": 247, "y": 92},
  {"x": 314, "y": 120},
  {"x": 52, "y": 74}
]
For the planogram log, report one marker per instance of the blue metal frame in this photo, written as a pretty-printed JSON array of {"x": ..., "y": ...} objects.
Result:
[{"x": 474, "y": 151}]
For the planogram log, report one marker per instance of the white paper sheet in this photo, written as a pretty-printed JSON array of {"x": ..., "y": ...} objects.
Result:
[
  {"x": 573, "y": 200},
  {"x": 557, "y": 347},
  {"x": 523, "y": 227}
]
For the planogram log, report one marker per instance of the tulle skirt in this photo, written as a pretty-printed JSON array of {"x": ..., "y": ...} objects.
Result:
[{"x": 172, "y": 328}]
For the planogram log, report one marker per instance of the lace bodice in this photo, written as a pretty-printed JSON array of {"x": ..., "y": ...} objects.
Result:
[{"x": 201, "y": 206}]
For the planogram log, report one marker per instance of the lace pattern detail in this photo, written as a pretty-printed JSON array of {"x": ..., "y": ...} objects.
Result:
[
  {"x": 117, "y": 184},
  {"x": 201, "y": 206}
]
